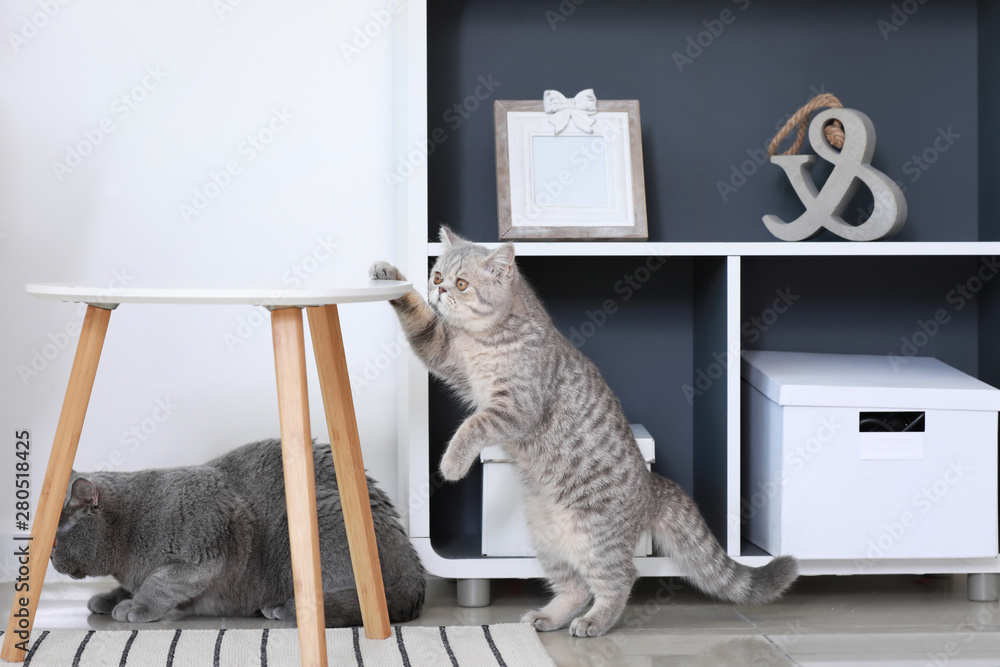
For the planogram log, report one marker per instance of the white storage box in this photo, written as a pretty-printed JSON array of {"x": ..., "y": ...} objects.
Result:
[
  {"x": 505, "y": 532},
  {"x": 818, "y": 486}
]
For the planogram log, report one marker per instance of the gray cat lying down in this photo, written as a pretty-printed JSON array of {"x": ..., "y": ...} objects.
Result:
[{"x": 213, "y": 540}]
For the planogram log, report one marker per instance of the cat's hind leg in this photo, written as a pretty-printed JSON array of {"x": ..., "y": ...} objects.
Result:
[
  {"x": 611, "y": 586},
  {"x": 341, "y": 609},
  {"x": 571, "y": 595},
  {"x": 279, "y": 612},
  {"x": 104, "y": 603}
]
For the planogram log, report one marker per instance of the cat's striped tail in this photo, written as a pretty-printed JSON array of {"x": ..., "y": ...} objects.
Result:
[{"x": 679, "y": 531}]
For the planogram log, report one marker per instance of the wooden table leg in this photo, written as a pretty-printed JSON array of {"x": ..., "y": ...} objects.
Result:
[
  {"x": 300, "y": 486},
  {"x": 57, "y": 473},
  {"x": 328, "y": 346}
]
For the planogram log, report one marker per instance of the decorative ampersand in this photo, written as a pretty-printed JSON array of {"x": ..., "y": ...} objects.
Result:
[{"x": 852, "y": 166}]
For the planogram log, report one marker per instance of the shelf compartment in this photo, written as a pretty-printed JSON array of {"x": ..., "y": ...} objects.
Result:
[
  {"x": 904, "y": 306},
  {"x": 898, "y": 307},
  {"x": 647, "y": 323},
  {"x": 707, "y": 179}
]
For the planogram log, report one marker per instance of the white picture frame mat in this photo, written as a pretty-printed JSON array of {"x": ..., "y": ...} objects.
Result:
[{"x": 530, "y": 208}]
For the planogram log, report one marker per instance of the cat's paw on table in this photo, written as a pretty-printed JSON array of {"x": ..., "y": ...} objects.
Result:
[{"x": 384, "y": 271}]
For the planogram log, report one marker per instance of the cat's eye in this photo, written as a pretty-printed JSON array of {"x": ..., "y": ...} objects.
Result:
[
  {"x": 462, "y": 284},
  {"x": 438, "y": 279}
]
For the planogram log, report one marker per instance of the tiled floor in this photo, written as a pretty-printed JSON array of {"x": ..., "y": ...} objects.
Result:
[{"x": 898, "y": 621}]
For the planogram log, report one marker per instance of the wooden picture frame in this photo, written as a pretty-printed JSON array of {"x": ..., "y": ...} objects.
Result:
[{"x": 572, "y": 184}]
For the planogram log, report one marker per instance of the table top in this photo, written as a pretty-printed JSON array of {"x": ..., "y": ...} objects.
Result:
[{"x": 271, "y": 297}]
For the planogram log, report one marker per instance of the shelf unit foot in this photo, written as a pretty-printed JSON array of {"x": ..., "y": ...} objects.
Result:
[
  {"x": 984, "y": 587},
  {"x": 474, "y": 593}
]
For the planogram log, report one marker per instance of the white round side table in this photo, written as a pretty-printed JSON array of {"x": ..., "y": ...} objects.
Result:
[{"x": 296, "y": 440}]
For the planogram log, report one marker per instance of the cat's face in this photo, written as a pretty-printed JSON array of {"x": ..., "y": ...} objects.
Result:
[
  {"x": 471, "y": 287},
  {"x": 81, "y": 533}
]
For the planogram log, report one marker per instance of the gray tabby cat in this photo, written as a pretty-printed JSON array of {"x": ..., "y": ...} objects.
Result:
[
  {"x": 487, "y": 335},
  {"x": 212, "y": 540}
]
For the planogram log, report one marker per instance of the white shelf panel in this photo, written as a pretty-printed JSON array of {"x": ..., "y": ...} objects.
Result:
[
  {"x": 528, "y": 568},
  {"x": 733, "y": 349},
  {"x": 804, "y": 249},
  {"x": 519, "y": 568},
  {"x": 915, "y": 566}
]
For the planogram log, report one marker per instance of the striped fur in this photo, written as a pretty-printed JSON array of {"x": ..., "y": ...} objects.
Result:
[{"x": 588, "y": 495}]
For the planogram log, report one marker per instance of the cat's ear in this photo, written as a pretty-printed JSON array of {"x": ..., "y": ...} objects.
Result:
[
  {"x": 83, "y": 495},
  {"x": 448, "y": 237},
  {"x": 500, "y": 262}
]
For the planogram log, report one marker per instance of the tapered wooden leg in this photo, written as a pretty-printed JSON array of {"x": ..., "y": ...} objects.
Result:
[
  {"x": 53, "y": 492},
  {"x": 328, "y": 345},
  {"x": 300, "y": 486}
]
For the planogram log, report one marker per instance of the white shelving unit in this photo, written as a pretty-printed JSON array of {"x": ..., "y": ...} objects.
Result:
[
  {"x": 727, "y": 260},
  {"x": 485, "y": 568}
]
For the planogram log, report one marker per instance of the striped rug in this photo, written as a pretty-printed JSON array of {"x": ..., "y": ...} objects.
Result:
[{"x": 502, "y": 645}]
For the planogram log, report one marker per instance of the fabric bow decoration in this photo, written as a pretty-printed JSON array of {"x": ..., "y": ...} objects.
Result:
[{"x": 580, "y": 109}]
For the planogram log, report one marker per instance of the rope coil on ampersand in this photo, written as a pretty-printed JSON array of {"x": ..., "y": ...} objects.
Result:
[{"x": 834, "y": 132}]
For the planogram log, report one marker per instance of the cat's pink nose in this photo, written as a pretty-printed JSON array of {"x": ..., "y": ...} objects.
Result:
[{"x": 441, "y": 290}]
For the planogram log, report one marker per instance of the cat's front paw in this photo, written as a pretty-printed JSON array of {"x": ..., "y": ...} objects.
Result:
[
  {"x": 130, "y": 611},
  {"x": 104, "y": 603},
  {"x": 539, "y": 621},
  {"x": 453, "y": 468},
  {"x": 384, "y": 271}
]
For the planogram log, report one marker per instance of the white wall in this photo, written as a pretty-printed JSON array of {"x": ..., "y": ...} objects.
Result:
[{"x": 199, "y": 79}]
